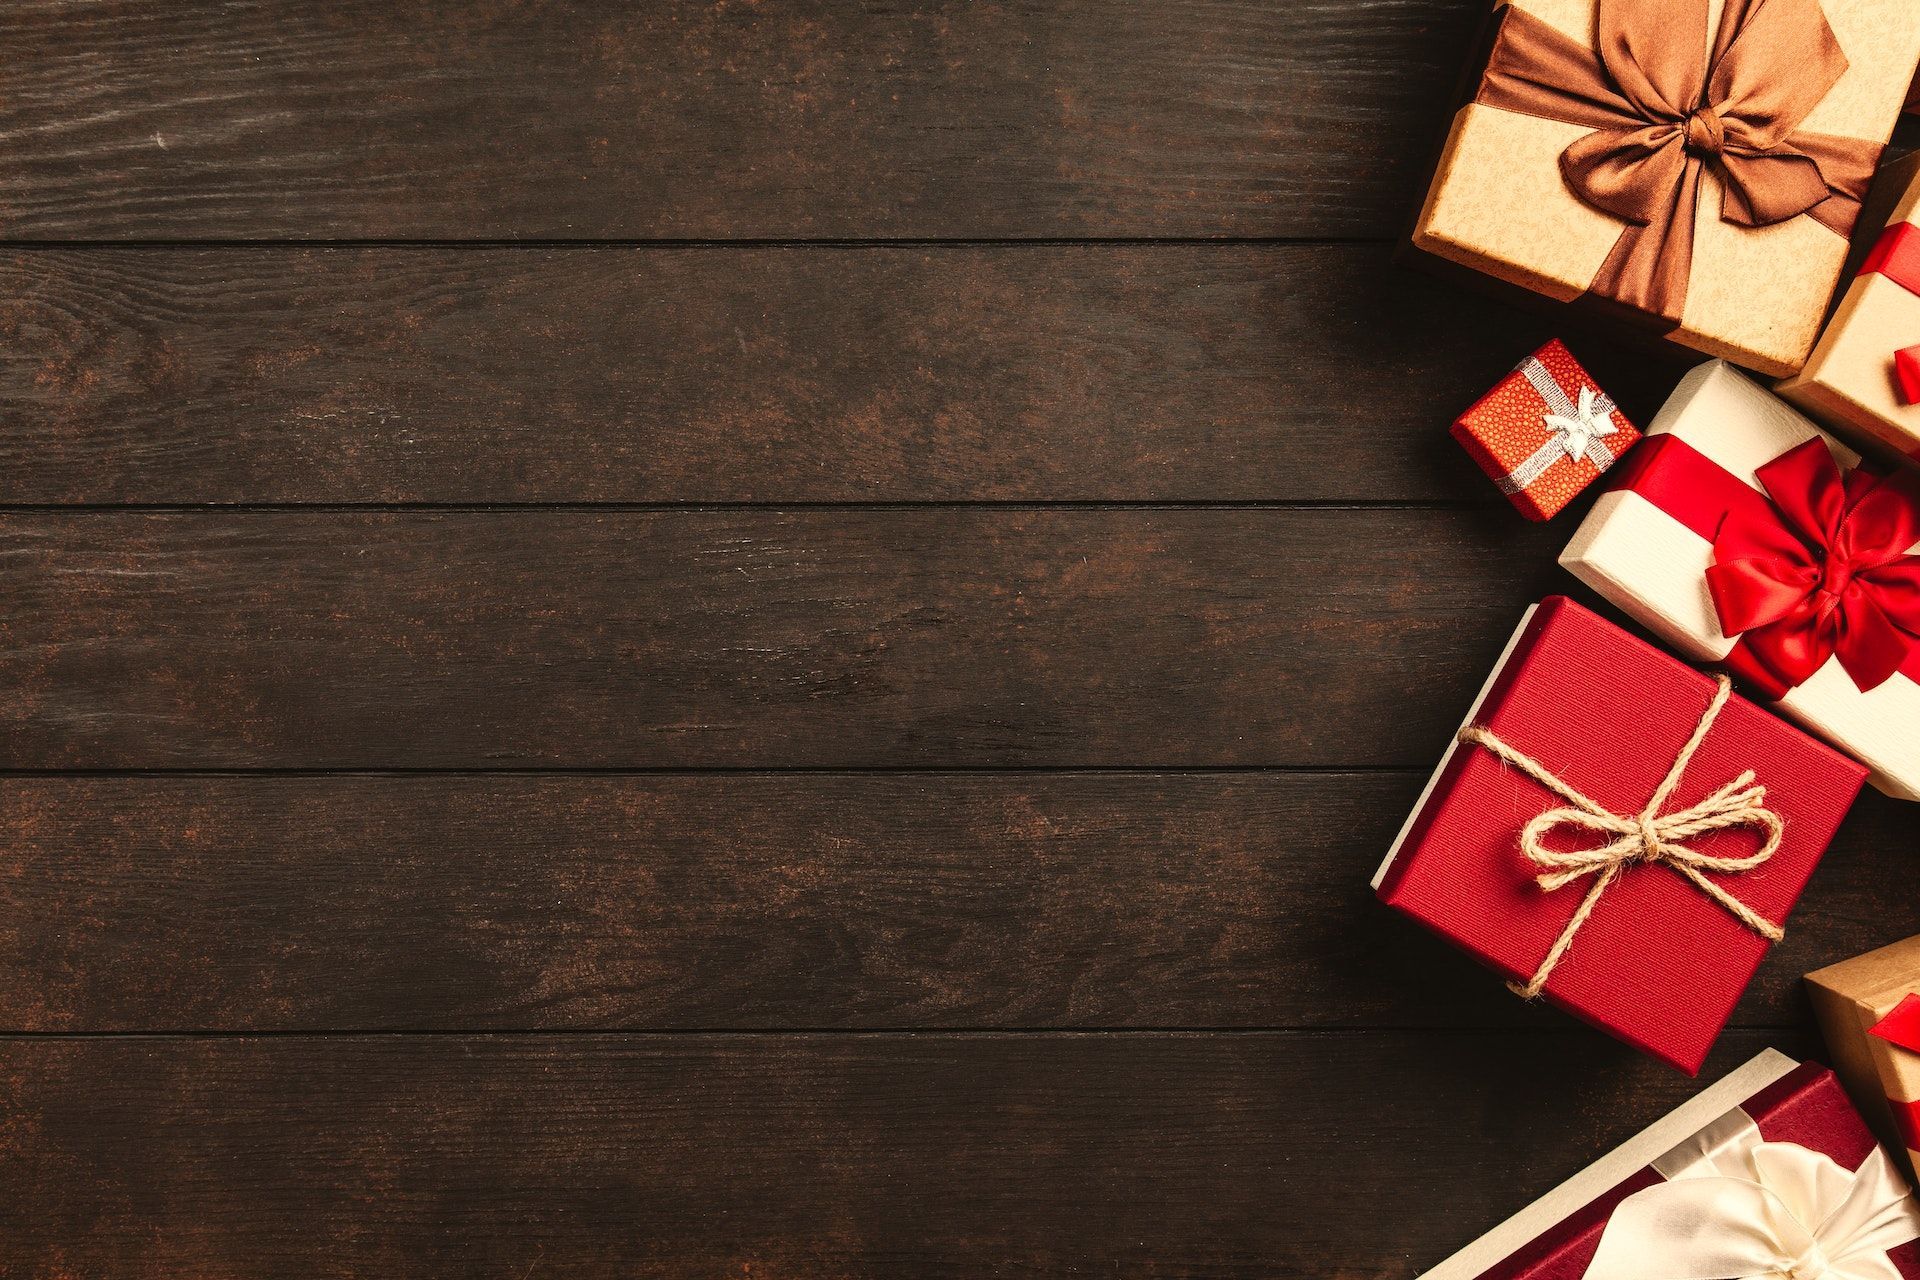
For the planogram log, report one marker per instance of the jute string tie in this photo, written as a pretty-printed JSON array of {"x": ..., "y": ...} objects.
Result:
[{"x": 1649, "y": 836}]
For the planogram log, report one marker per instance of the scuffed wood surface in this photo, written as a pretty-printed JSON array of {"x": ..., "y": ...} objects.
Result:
[
  {"x": 769, "y": 901},
  {"x": 569, "y": 119},
  {"x": 873, "y": 638},
  {"x": 799, "y": 1156},
  {"x": 1139, "y": 373}
]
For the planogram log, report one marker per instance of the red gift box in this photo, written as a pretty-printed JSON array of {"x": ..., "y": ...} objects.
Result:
[
  {"x": 1545, "y": 432},
  {"x": 1610, "y": 1214},
  {"x": 1663, "y": 952}
]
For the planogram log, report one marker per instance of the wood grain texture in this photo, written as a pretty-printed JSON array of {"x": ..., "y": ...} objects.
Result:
[
  {"x": 1268, "y": 1155},
  {"x": 786, "y": 375},
  {"x": 768, "y": 901},
  {"x": 565, "y": 118},
  {"x": 877, "y": 637}
]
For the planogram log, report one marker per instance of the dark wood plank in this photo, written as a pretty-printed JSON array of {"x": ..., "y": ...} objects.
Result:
[
  {"x": 797, "y": 1156},
  {"x": 1129, "y": 373},
  {"x": 567, "y": 118},
  {"x": 876, "y": 637},
  {"x": 767, "y": 901}
]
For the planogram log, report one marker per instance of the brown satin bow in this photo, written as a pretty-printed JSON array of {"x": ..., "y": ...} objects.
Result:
[{"x": 1666, "y": 107}]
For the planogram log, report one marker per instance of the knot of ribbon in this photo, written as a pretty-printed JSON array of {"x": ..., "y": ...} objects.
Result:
[
  {"x": 1706, "y": 135},
  {"x": 1666, "y": 106},
  {"x": 1734, "y": 1206},
  {"x": 1649, "y": 836},
  {"x": 1822, "y": 570}
]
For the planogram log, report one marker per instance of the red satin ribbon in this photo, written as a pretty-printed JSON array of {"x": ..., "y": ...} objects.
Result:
[
  {"x": 1906, "y": 1118},
  {"x": 1896, "y": 255},
  {"x": 1901, "y": 1027},
  {"x": 1816, "y": 567}
]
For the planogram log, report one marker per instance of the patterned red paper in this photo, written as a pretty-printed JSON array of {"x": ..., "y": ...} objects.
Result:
[
  {"x": 1658, "y": 963},
  {"x": 1545, "y": 432}
]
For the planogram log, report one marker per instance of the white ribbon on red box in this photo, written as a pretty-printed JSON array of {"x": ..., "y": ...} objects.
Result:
[{"x": 1737, "y": 1207}]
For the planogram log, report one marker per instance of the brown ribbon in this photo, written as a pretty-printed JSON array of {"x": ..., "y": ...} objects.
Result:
[{"x": 1665, "y": 108}]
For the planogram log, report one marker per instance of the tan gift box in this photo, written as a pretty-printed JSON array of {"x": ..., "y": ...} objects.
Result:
[
  {"x": 1849, "y": 380},
  {"x": 1852, "y": 997},
  {"x": 1635, "y": 151}
]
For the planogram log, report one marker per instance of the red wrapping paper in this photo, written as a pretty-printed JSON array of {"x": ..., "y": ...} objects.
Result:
[
  {"x": 1658, "y": 963},
  {"x": 1806, "y": 1107}
]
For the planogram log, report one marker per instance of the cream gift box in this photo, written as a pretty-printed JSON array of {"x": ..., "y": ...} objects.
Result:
[
  {"x": 1699, "y": 162},
  {"x": 1854, "y": 377},
  {"x": 1690, "y": 535}
]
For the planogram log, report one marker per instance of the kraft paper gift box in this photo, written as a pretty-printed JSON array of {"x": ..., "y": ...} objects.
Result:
[
  {"x": 1767, "y": 1174},
  {"x": 1545, "y": 432},
  {"x": 1865, "y": 372},
  {"x": 1869, "y": 1011},
  {"x": 1696, "y": 165},
  {"x": 1527, "y": 848},
  {"x": 1743, "y": 535}
]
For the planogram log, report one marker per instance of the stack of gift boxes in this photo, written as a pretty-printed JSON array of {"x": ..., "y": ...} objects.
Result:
[{"x": 1622, "y": 825}]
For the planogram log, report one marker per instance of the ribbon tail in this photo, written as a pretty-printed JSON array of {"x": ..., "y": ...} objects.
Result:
[
  {"x": 1757, "y": 668},
  {"x": 1650, "y": 265}
]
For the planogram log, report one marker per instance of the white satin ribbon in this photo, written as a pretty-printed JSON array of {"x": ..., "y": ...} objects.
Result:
[
  {"x": 1574, "y": 430},
  {"x": 1736, "y": 1207}
]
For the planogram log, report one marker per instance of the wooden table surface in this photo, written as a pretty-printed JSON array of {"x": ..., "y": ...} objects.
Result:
[{"x": 760, "y": 640}]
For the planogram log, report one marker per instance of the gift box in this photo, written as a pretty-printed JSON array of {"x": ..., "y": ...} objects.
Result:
[
  {"x": 1602, "y": 794},
  {"x": 1695, "y": 165},
  {"x": 1769, "y": 1173},
  {"x": 1869, "y": 1011},
  {"x": 1545, "y": 432},
  {"x": 1865, "y": 371},
  {"x": 1744, "y": 535}
]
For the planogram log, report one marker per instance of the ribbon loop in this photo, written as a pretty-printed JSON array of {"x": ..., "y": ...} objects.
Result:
[{"x": 1650, "y": 836}]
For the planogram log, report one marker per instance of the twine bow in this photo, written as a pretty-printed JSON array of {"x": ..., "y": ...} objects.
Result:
[{"x": 1649, "y": 836}]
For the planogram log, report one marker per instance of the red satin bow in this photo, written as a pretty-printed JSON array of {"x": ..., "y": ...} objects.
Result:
[{"x": 1827, "y": 576}]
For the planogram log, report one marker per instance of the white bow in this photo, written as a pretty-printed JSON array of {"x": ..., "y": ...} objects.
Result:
[
  {"x": 1575, "y": 434},
  {"x": 1736, "y": 1207}
]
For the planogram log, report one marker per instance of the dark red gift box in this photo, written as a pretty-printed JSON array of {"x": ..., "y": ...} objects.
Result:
[
  {"x": 1657, "y": 961},
  {"x": 1558, "y": 1236}
]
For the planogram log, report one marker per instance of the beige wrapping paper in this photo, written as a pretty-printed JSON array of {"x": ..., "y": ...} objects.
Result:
[
  {"x": 1851, "y": 997},
  {"x": 1755, "y": 295},
  {"x": 1848, "y": 380}
]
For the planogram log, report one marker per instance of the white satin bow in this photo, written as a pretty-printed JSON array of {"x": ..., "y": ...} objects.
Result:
[
  {"x": 1736, "y": 1207},
  {"x": 1577, "y": 431}
]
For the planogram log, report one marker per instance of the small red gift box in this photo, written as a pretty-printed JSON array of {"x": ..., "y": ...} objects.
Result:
[
  {"x": 1545, "y": 432},
  {"x": 1617, "y": 831},
  {"x": 1768, "y": 1173}
]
